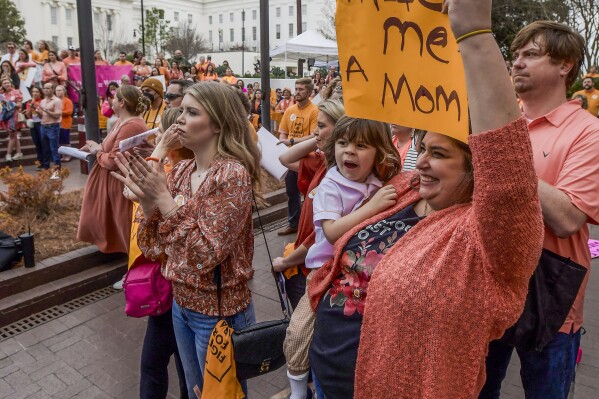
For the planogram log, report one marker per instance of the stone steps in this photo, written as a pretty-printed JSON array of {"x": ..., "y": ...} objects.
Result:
[
  {"x": 54, "y": 281},
  {"x": 27, "y": 148}
]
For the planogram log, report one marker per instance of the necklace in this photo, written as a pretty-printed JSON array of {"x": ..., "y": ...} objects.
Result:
[{"x": 427, "y": 209}]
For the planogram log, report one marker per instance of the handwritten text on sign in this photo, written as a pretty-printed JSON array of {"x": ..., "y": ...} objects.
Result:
[{"x": 400, "y": 64}]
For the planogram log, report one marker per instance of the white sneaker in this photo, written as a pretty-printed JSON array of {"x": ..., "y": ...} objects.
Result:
[
  {"x": 8, "y": 158},
  {"x": 55, "y": 175},
  {"x": 17, "y": 156},
  {"x": 119, "y": 284}
]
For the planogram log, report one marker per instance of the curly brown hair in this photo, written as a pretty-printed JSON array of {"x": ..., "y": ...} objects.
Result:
[{"x": 373, "y": 133}]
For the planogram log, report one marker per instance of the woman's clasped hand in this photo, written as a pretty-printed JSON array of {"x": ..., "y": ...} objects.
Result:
[{"x": 147, "y": 183}]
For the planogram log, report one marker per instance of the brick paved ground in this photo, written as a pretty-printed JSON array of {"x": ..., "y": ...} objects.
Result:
[{"x": 94, "y": 352}]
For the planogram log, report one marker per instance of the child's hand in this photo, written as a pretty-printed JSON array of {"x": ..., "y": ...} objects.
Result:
[
  {"x": 383, "y": 199},
  {"x": 279, "y": 264}
]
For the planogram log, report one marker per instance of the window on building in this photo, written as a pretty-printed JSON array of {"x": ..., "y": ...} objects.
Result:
[
  {"x": 210, "y": 36},
  {"x": 220, "y": 18},
  {"x": 69, "y": 41},
  {"x": 278, "y": 11},
  {"x": 110, "y": 46},
  {"x": 189, "y": 18},
  {"x": 69, "y": 16},
  {"x": 291, "y": 11},
  {"x": 290, "y": 30},
  {"x": 304, "y": 9},
  {"x": 220, "y": 35},
  {"x": 55, "y": 41},
  {"x": 96, "y": 18},
  {"x": 231, "y": 17},
  {"x": 254, "y": 14},
  {"x": 97, "y": 43},
  {"x": 278, "y": 32},
  {"x": 176, "y": 16},
  {"x": 254, "y": 33},
  {"x": 304, "y": 26},
  {"x": 53, "y": 15},
  {"x": 232, "y": 34},
  {"x": 109, "y": 22},
  {"x": 210, "y": 20}
]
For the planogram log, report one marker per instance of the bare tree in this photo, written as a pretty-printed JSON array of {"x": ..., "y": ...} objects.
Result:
[
  {"x": 186, "y": 38},
  {"x": 584, "y": 17},
  {"x": 327, "y": 28},
  {"x": 106, "y": 35},
  {"x": 128, "y": 47}
]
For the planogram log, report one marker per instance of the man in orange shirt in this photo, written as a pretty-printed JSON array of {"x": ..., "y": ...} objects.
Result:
[
  {"x": 591, "y": 94},
  {"x": 122, "y": 60},
  {"x": 565, "y": 144},
  {"x": 592, "y": 73},
  {"x": 297, "y": 125},
  {"x": 229, "y": 78},
  {"x": 72, "y": 59}
]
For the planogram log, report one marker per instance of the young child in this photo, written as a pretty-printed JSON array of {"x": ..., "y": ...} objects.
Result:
[{"x": 360, "y": 157}]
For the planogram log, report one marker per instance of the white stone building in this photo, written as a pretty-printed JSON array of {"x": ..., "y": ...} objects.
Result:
[{"x": 219, "y": 21}]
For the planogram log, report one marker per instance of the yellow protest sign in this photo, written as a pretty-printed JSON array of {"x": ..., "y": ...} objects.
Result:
[{"x": 400, "y": 64}]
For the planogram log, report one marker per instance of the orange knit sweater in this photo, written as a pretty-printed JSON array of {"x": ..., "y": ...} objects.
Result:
[{"x": 453, "y": 283}]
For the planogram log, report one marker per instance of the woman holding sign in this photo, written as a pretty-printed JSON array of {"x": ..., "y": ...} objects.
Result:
[
  {"x": 105, "y": 214},
  {"x": 472, "y": 233}
]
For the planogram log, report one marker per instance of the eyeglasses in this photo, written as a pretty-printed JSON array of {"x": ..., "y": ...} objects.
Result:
[
  {"x": 338, "y": 88},
  {"x": 11, "y": 48},
  {"x": 172, "y": 96}
]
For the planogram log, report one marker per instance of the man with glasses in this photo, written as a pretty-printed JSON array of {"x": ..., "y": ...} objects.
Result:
[
  {"x": 12, "y": 54},
  {"x": 51, "y": 109},
  {"x": 175, "y": 91}
]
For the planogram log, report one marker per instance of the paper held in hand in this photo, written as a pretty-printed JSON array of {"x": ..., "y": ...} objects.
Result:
[
  {"x": 74, "y": 152},
  {"x": 135, "y": 141},
  {"x": 270, "y": 153}
]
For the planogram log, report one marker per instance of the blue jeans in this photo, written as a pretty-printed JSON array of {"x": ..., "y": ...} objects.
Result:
[
  {"x": 192, "y": 330},
  {"x": 64, "y": 137},
  {"x": 50, "y": 134},
  {"x": 545, "y": 375},
  {"x": 36, "y": 136},
  {"x": 294, "y": 202},
  {"x": 159, "y": 345}
]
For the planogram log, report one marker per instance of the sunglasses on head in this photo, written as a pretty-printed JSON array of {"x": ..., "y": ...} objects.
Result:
[{"x": 172, "y": 96}]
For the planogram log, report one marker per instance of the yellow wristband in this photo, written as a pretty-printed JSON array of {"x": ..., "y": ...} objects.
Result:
[{"x": 473, "y": 33}]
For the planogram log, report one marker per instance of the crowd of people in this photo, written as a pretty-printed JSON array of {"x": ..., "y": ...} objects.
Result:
[{"x": 413, "y": 250}]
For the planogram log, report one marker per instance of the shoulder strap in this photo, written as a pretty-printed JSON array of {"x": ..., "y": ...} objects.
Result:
[{"x": 279, "y": 281}]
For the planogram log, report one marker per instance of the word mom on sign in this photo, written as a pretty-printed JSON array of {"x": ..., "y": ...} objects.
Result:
[{"x": 400, "y": 64}]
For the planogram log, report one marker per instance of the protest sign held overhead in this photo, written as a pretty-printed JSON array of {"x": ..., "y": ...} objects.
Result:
[{"x": 400, "y": 64}]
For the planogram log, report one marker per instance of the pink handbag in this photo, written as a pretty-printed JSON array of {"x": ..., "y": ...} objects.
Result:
[{"x": 147, "y": 292}]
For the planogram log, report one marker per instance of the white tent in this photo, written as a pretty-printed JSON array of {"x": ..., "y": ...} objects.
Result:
[{"x": 309, "y": 44}]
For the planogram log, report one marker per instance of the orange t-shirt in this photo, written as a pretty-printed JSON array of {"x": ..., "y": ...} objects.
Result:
[
  {"x": 71, "y": 61},
  {"x": 67, "y": 113},
  {"x": 565, "y": 145},
  {"x": 299, "y": 122},
  {"x": 209, "y": 77},
  {"x": 122, "y": 63},
  {"x": 229, "y": 79},
  {"x": 592, "y": 99}
]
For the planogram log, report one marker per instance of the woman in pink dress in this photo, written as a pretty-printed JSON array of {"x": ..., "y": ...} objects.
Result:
[
  {"x": 106, "y": 214},
  {"x": 11, "y": 97}
]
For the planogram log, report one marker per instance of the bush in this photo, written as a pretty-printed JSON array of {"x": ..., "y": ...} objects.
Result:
[{"x": 30, "y": 196}]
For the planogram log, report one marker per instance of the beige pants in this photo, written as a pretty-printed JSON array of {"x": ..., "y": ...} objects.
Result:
[{"x": 299, "y": 335}]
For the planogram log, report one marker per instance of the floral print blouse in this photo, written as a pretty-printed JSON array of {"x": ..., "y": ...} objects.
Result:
[{"x": 213, "y": 227}]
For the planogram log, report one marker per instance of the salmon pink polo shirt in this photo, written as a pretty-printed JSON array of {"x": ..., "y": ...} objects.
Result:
[{"x": 565, "y": 145}]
